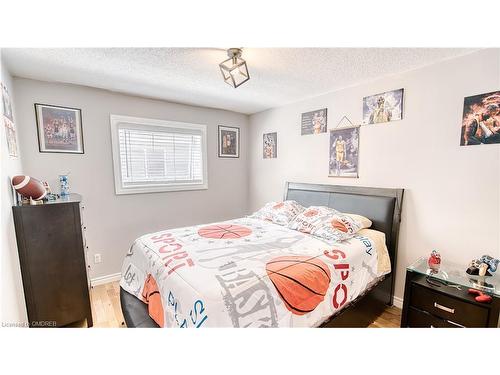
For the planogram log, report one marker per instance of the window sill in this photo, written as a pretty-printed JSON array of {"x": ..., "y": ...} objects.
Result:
[{"x": 159, "y": 189}]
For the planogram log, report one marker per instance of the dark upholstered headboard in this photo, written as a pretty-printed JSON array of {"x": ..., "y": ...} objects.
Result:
[{"x": 382, "y": 206}]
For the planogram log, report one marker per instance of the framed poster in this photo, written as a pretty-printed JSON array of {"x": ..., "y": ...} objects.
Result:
[
  {"x": 384, "y": 107},
  {"x": 59, "y": 129},
  {"x": 344, "y": 152},
  {"x": 314, "y": 122},
  {"x": 10, "y": 134},
  {"x": 270, "y": 145},
  {"x": 229, "y": 142},
  {"x": 6, "y": 103},
  {"x": 481, "y": 119}
]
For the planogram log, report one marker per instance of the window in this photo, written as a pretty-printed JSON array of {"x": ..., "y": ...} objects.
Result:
[{"x": 154, "y": 155}]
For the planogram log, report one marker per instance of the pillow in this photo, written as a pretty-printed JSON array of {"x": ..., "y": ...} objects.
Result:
[
  {"x": 362, "y": 220},
  {"x": 280, "y": 213},
  {"x": 325, "y": 223}
]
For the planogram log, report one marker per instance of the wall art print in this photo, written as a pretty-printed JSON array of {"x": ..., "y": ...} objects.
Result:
[
  {"x": 10, "y": 134},
  {"x": 229, "y": 142},
  {"x": 270, "y": 145},
  {"x": 344, "y": 152},
  {"x": 481, "y": 119},
  {"x": 6, "y": 103},
  {"x": 384, "y": 107},
  {"x": 59, "y": 129},
  {"x": 314, "y": 122}
]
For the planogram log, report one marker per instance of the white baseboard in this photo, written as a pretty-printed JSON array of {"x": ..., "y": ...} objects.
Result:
[
  {"x": 398, "y": 302},
  {"x": 105, "y": 279}
]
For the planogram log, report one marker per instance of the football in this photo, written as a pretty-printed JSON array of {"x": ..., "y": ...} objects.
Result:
[{"x": 29, "y": 187}]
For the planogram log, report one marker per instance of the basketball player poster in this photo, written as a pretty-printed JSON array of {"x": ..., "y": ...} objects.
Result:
[
  {"x": 344, "y": 152},
  {"x": 481, "y": 119},
  {"x": 270, "y": 146},
  {"x": 384, "y": 107},
  {"x": 229, "y": 142},
  {"x": 314, "y": 122}
]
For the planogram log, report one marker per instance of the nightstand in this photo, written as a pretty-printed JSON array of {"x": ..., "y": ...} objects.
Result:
[{"x": 442, "y": 300}]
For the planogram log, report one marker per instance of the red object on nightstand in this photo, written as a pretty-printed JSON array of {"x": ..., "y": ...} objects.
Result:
[
  {"x": 480, "y": 296},
  {"x": 434, "y": 261}
]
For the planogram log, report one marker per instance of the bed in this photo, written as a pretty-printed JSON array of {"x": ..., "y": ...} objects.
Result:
[{"x": 249, "y": 273}]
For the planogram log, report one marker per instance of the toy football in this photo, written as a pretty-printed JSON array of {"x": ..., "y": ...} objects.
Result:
[{"x": 29, "y": 187}]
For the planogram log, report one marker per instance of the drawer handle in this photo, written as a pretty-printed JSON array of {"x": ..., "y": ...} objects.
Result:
[
  {"x": 455, "y": 324},
  {"x": 444, "y": 308}
]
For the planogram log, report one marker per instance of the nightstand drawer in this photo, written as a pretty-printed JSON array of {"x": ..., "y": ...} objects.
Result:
[
  {"x": 421, "y": 319},
  {"x": 448, "y": 308}
]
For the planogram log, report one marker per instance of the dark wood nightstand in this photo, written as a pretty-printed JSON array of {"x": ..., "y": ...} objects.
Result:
[{"x": 445, "y": 301}]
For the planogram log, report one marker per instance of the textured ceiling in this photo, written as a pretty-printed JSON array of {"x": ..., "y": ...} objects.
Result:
[{"x": 191, "y": 75}]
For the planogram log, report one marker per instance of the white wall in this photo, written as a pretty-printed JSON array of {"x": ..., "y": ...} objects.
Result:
[
  {"x": 113, "y": 222},
  {"x": 13, "y": 309},
  {"x": 452, "y": 198}
]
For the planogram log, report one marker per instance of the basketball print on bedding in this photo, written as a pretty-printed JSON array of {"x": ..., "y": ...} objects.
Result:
[
  {"x": 224, "y": 231},
  {"x": 311, "y": 212},
  {"x": 337, "y": 224},
  {"x": 151, "y": 295},
  {"x": 301, "y": 281}
]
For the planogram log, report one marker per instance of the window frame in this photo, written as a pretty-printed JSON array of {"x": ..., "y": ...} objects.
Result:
[{"x": 145, "y": 123}]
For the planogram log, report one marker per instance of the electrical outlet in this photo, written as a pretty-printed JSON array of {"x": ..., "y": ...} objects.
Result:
[{"x": 97, "y": 258}]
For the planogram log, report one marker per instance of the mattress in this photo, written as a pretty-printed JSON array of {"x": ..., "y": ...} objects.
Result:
[{"x": 249, "y": 273}]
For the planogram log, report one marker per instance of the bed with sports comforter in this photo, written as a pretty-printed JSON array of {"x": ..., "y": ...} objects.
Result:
[{"x": 250, "y": 273}]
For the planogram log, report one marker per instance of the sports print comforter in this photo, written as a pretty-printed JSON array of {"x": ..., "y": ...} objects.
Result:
[{"x": 249, "y": 273}]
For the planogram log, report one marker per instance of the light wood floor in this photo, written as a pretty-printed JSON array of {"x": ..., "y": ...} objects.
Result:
[{"x": 106, "y": 310}]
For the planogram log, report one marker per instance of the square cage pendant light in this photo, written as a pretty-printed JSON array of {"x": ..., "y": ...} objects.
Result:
[{"x": 234, "y": 70}]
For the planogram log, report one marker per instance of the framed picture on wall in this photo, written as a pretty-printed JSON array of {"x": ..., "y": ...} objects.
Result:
[
  {"x": 270, "y": 146},
  {"x": 59, "y": 129},
  {"x": 314, "y": 122},
  {"x": 384, "y": 107},
  {"x": 481, "y": 119},
  {"x": 229, "y": 142},
  {"x": 10, "y": 134},
  {"x": 344, "y": 152},
  {"x": 6, "y": 103}
]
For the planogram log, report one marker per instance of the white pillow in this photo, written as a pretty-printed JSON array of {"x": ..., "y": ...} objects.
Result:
[
  {"x": 362, "y": 220},
  {"x": 280, "y": 213},
  {"x": 325, "y": 223}
]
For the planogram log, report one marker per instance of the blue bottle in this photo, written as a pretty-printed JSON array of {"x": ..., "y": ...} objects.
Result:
[{"x": 64, "y": 184}]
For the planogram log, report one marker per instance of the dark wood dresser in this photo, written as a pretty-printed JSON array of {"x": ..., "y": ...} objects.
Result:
[
  {"x": 443, "y": 300},
  {"x": 52, "y": 253}
]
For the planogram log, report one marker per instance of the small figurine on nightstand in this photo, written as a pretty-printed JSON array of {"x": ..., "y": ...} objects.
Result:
[
  {"x": 483, "y": 266},
  {"x": 434, "y": 261}
]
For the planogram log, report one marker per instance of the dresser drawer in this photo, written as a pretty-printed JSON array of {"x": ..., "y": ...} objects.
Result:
[
  {"x": 421, "y": 319},
  {"x": 448, "y": 308}
]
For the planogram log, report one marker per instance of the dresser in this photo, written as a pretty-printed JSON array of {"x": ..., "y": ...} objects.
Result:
[
  {"x": 441, "y": 299},
  {"x": 52, "y": 254}
]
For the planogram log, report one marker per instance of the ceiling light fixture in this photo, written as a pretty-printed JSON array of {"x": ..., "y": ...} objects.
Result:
[{"x": 234, "y": 70}]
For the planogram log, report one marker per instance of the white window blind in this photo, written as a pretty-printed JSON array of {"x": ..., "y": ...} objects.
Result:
[{"x": 154, "y": 155}]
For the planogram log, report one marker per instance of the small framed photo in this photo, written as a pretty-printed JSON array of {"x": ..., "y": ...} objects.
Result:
[
  {"x": 314, "y": 122},
  {"x": 384, "y": 107},
  {"x": 270, "y": 146},
  {"x": 59, "y": 129},
  {"x": 229, "y": 142}
]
